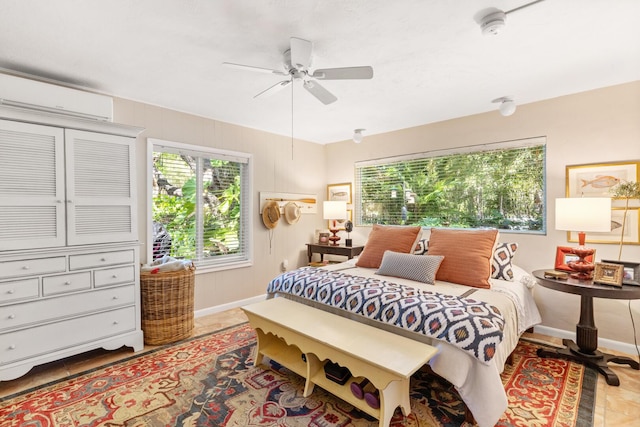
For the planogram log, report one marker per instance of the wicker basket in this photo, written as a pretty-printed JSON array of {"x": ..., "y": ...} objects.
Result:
[{"x": 167, "y": 305}]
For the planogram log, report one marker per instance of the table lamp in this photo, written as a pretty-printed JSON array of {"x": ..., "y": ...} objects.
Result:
[
  {"x": 583, "y": 214},
  {"x": 334, "y": 211}
]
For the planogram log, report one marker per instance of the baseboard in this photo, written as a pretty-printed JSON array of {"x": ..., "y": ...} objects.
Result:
[
  {"x": 624, "y": 347},
  {"x": 229, "y": 306}
]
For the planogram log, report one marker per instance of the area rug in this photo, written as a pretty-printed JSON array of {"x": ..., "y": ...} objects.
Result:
[{"x": 210, "y": 381}]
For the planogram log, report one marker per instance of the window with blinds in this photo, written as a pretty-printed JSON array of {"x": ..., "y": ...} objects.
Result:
[
  {"x": 201, "y": 204},
  {"x": 499, "y": 185}
]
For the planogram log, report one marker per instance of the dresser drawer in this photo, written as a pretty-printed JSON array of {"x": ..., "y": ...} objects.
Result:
[
  {"x": 30, "y": 313},
  {"x": 18, "y": 290},
  {"x": 113, "y": 276},
  {"x": 44, "y": 339},
  {"x": 32, "y": 267},
  {"x": 100, "y": 259},
  {"x": 52, "y": 285}
]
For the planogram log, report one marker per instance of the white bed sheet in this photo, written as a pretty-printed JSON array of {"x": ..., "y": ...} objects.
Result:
[{"x": 479, "y": 384}]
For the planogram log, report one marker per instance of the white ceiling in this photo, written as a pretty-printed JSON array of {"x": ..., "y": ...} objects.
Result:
[{"x": 430, "y": 60}]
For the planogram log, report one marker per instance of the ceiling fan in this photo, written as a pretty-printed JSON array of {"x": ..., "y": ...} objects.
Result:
[{"x": 297, "y": 67}]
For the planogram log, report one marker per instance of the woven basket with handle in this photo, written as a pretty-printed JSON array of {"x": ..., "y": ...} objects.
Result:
[{"x": 167, "y": 305}]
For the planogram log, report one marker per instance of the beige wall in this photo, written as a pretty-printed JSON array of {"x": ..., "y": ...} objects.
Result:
[
  {"x": 596, "y": 126},
  {"x": 277, "y": 167},
  {"x": 591, "y": 127}
]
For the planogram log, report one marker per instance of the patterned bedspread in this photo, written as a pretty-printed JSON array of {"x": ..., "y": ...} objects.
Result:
[{"x": 473, "y": 326}]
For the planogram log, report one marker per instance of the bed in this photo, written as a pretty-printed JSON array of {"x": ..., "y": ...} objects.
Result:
[{"x": 397, "y": 285}]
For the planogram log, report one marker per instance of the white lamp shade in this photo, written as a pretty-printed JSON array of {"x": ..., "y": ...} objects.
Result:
[
  {"x": 584, "y": 214},
  {"x": 334, "y": 210}
]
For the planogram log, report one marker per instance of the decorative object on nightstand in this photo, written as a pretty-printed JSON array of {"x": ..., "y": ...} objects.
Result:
[
  {"x": 334, "y": 211},
  {"x": 608, "y": 274},
  {"x": 583, "y": 214},
  {"x": 348, "y": 227}
]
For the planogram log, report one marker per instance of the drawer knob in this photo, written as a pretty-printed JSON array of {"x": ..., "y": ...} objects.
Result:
[
  {"x": 12, "y": 347},
  {"x": 12, "y": 316},
  {"x": 11, "y": 291},
  {"x": 115, "y": 322},
  {"x": 116, "y": 297},
  {"x": 115, "y": 276},
  {"x": 25, "y": 267},
  {"x": 103, "y": 259},
  {"x": 67, "y": 282}
]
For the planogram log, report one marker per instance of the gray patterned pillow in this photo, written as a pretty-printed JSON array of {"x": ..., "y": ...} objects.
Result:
[
  {"x": 421, "y": 268},
  {"x": 501, "y": 267}
]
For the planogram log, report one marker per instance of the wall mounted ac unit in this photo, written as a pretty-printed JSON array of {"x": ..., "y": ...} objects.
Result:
[{"x": 35, "y": 95}]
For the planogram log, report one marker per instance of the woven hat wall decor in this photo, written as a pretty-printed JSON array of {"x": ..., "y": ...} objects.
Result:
[
  {"x": 292, "y": 212},
  {"x": 271, "y": 214}
]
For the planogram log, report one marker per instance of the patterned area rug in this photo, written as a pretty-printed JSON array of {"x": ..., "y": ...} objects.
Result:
[{"x": 210, "y": 381}]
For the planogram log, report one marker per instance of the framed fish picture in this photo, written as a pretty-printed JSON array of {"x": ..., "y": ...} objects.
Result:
[
  {"x": 630, "y": 234},
  {"x": 339, "y": 192},
  {"x": 598, "y": 180}
]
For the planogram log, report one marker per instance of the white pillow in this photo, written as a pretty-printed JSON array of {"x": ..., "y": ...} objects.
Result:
[{"x": 421, "y": 268}]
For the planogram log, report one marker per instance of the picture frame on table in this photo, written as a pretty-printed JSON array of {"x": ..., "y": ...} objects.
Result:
[
  {"x": 630, "y": 272},
  {"x": 608, "y": 274},
  {"x": 564, "y": 256},
  {"x": 339, "y": 192}
]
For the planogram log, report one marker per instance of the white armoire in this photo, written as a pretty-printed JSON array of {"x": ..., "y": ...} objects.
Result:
[{"x": 69, "y": 251}]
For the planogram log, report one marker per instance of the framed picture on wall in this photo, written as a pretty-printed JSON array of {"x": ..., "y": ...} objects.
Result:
[
  {"x": 597, "y": 179},
  {"x": 339, "y": 192},
  {"x": 631, "y": 229}
]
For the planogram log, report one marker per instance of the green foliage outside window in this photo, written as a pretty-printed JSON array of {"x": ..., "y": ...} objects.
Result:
[
  {"x": 501, "y": 188},
  {"x": 200, "y": 224}
]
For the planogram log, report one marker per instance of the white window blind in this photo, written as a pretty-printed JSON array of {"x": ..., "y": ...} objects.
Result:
[
  {"x": 201, "y": 204},
  {"x": 499, "y": 185}
]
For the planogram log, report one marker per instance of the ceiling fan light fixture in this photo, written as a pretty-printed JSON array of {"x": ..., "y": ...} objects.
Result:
[
  {"x": 507, "y": 105},
  {"x": 357, "y": 135},
  {"x": 493, "y": 23}
]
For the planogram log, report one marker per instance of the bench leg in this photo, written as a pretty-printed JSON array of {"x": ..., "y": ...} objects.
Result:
[{"x": 394, "y": 395}]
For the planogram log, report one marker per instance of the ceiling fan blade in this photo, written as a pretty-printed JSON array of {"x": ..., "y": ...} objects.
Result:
[
  {"x": 343, "y": 73},
  {"x": 252, "y": 68},
  {"x": 273, "y": 89},
  {"x": 319, "y": 92},
  {"x": 300, "y": 52}
]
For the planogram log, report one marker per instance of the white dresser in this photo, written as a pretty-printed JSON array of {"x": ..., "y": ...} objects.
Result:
[{"x": 69, "y": 255}]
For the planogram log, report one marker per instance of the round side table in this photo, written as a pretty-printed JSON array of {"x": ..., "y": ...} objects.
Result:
[{"x": 585, "y": 348}]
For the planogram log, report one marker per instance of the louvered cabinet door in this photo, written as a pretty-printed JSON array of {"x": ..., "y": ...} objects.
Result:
[
  {"x": 100, "y": 188},
  {"x": 32, "y": 187}
]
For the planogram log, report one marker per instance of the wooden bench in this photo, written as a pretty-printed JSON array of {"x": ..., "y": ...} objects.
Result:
[{"x": 287, "y": 330}]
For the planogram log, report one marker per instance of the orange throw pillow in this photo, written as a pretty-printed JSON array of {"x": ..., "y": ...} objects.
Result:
[
  {"x": 467, "y": 255},
  {"x": 387, "y": 238}
]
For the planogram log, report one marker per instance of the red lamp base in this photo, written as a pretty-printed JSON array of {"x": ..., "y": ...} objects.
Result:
[
  {"x": 334, "y": 239},
  {"x": 582, "y": 269}
]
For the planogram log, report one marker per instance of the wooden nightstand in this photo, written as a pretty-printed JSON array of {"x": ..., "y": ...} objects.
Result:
[
  {"x": 585, "y": 348},
  {"x": 348, "y": 251}
]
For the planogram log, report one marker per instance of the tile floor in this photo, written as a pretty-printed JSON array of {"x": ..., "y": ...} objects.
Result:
[{"x": 615, "y": 406}]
